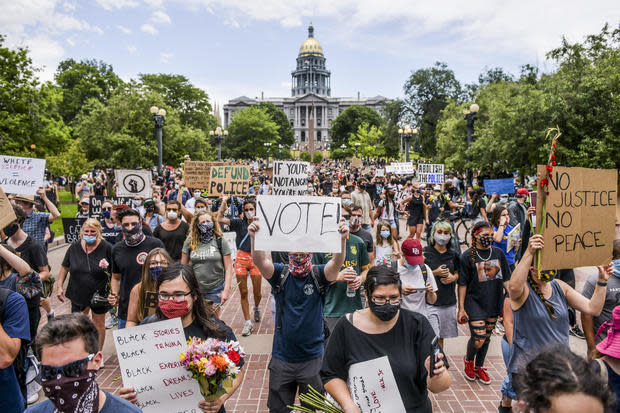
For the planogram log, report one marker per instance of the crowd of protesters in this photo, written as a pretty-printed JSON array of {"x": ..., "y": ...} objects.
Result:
[{"x": 404, "y": 277}]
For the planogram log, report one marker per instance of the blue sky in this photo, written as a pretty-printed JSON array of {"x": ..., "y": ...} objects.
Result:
[{"x": 242, "y": 47}]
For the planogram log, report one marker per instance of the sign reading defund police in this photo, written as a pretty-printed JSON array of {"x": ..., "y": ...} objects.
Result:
[
  {"x": 290, "y": 178},
  {"x": 229, "y": 180},
  {"x": 298, "y": 223},
  {"x": 579, "y": 217}
]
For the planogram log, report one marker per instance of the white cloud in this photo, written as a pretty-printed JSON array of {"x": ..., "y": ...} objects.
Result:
[
  {"x": 98, "y": 30},
  {"x": 165, "y": 57},
  {"x": 68, "y": 6},
  {"x": 160, "y": 17},
  {"x": 124, "y": 29},
  {"x": 147, "y": 28},
  {"x": 117, "y": 4},
  {"x": 132, "y": 49}
]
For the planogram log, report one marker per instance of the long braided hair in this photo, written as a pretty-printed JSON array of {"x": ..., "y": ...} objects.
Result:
[
  {"x": 478, "y": 226},
  {"x": 536, "y": 288}
]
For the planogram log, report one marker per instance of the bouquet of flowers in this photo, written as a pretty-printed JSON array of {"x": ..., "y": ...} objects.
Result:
[{"x": 214, "y": 363}]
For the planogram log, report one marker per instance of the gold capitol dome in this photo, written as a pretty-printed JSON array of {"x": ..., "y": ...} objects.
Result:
[{"x": 310, "y": 45}]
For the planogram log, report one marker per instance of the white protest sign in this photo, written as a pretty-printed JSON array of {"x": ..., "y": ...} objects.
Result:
[
  {"x": 389, "y": 169},
  {"x": 298, "y": 223},
  {"x": 380, "y": 172},
  {"x": 290, "y": 177},
  {"x": 231, "y": 238},
  {"x": 21, "y": 175},
  {"x": 132, "y": 183},
  {"x": 402, "y": 167},
  {"x": 373, "y": 387},
  {"x": 148, "y": 356},
  {"x": 429, "y": 173}
]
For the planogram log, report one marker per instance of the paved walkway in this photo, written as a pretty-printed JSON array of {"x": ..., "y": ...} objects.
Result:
[{"x": 463, "y": 396}]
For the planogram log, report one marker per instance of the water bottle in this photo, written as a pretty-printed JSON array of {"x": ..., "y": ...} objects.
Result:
[{"x": 350, "y": 291}]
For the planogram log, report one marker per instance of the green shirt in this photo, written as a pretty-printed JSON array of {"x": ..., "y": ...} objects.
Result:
[
  {"x": 207, "y": 263},
  {"x": 336, "y": 301}
]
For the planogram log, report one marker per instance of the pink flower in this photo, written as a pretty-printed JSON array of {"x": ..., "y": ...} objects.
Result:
[
  {"x": 210, "y": 369},
  {"x": 103, "y": 264}
]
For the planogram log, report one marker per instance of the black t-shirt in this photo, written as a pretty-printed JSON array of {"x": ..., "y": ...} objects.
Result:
[
  {"x": 173, "y": 240},
  {"x": 407, "y": 345},
  {"x": 446, "y": 295},
  {"x": 240, "y": 226},
  {"x": 484, "y": 297},
  {"x": 367, "y": 237},
  {"x": 86, "y": 277},
  {"x": 127, "y": 261},
  {"x": 33, "y": 253},
  {"x": 416, "y": 206}
]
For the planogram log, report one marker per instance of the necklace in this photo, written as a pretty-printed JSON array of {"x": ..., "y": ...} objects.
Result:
[{"x": 487, "y": 258}]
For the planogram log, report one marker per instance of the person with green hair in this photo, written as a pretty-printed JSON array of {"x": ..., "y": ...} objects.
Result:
[{"x": 442, "y": 256}]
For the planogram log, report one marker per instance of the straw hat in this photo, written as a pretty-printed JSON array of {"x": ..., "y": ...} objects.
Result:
[{"x": 24, "y": 198}]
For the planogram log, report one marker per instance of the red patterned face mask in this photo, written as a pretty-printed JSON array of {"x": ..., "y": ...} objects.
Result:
[
  {"x": 300, "y": 267},
  {"x": 174, "y": 309}
]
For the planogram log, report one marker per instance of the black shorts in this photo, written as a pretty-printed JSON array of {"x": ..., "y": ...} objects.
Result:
[
  {"x": 412, "y": 221},
  {"x": 77, "y": 308}
]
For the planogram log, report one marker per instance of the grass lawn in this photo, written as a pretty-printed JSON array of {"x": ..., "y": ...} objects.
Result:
[{"x": 68, "y": 209}]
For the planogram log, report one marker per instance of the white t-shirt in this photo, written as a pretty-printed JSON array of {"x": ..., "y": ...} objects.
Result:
[{"x": 414, "y": 278}]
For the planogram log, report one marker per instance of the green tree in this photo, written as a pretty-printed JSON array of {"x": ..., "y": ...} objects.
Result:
[
  {"x": 82, "y": 81},
  {"x": 427, "y": 92},
  {"x": 178, "y": 92},
  {"x": 369, "y": 138},
  {"x": 392, "y": 112},
  {"x": 349, "y": 121},
  {"x": 71, "y": 162},
  {"x": 285, "y": 132},
  {"x": 305, "y": 156},
  {"x": 248, "y": 131},
  {"x": 318, "y": 157}
]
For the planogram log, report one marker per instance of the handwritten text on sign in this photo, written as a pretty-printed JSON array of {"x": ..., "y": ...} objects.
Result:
[
  {"x": 196, "y": 173},
  {"x": 21, "y": 175},
  {"x": 578, "y": 225},
  {"x": 229, "y": 180},
  {"x": 148, "y": 356},
  {"x": 429, "y": 173},
  {"x": 72, "y": 228},
  {"x": 290, "y": 178},
  {"x": 97, "y": 201},
  {"x": 373, "y": 387},
  {"x": 7, "y": 215},
  {"x": 298, "y": 223}
]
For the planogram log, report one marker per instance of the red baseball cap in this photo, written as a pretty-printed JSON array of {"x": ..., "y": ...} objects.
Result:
[
  {"x": 522, "y": 191},
  {"x": 412, "y": 249}
]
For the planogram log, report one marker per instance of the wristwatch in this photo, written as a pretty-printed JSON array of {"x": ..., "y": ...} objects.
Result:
[{"x": 601, "y": 283}]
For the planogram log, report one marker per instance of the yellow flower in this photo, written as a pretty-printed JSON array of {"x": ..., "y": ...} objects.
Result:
[{"x": 182, "y": 356}]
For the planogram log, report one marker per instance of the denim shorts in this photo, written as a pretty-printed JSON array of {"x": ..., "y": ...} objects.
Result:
[{"x": 214, "y": 294}]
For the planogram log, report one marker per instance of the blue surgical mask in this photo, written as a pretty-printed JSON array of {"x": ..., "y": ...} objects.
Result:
[
  {"x": 409, "y": 266},
  {"x": 117, "y": 227},
  {"x": 617, "y": 267},
  {"x": 89, "y": 239},
  {"x": 385, "y": 234},
  {"x": 346, "y": 202}
]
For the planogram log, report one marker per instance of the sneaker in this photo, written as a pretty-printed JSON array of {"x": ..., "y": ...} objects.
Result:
[
  {"x": 499, "y": 329},
  {"x": 505, "y": 409},
  {"x": 257, "y": 314},
  {"x": 32, "y": 398},
  {"x": 576, "y": 332},
  {"x": 111, "y": 323},
  {"x": 470, "y": 372},
  {"x": 50, "y": 315},
  {"x": 482, "y": 375},
  {"x": 247, "y": 329}
]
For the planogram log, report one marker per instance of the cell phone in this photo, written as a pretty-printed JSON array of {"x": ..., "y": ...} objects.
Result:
[{"x": 435, "y": 350}]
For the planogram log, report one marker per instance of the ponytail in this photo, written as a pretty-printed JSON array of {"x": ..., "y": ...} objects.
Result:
[{"x": 540, "y": 295}]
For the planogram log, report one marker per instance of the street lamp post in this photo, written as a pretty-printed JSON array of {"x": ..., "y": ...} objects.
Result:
[
  {"x": 218, "y": 134},
  {"x": 159, "y": 117},
  {"x": 268, "y": 146},
  {"x": 407, "y": 133},
  {"x": 357, "y": 146},
  {"x": 470, "y": 117},
  {"x": 280, "y": 147}
]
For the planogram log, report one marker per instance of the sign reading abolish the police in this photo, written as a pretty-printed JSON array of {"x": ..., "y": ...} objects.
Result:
[
  {"x": 298, "y": 223},
  {"x": 21, "y": 175},
  {"x": 429, "y": 173},
  {"x": 229, "y": 180},
  {"x": 578, "y": 224},
  {"x": 290, "y": 178}
]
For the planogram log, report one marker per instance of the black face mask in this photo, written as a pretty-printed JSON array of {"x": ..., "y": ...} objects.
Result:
[
  {"x": 11, "y": 230},
  {"x": 384, "y": 312},
  {"x": 485, "y": 241}
]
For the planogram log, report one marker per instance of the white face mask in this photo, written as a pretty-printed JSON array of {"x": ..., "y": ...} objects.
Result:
[
  {"x": 172, "y": 215},
  {"x": 196, "y": 194},
  {"x": 442, "y": 239}
]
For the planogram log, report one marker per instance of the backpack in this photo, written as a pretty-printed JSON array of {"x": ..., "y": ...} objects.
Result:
[
  {"x": 314, "y": 273},
  {"x": 19, "y": 364}
]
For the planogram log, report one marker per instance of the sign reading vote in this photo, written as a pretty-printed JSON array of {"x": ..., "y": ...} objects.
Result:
[
  {"x": 229, "y": 180},
  {"x": 500, "y": 186},
  {"x": 148, "y": 356},
  {"x": 72, "y": 227},
  {"x": 580, "y": 213},
  {"x": 132, "y": 183},
  {"x": 373, "y": 387},
  {"x": 7, "y": 215},
  {"x": 298, "y": 223},
  {"x": 429, "y": 173},
  {"x": 290, "y": 178},
  {"x": 21, "y": 175}
]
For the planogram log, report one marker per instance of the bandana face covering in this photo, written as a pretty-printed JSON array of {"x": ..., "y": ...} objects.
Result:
[
  {"x": 133, "y": 236},
  {"x": 73, "y": 394},
  {"x": 300, "y": 268},
  {"x": 547, "y": 276},
  {"x": 206, "y": 232}
]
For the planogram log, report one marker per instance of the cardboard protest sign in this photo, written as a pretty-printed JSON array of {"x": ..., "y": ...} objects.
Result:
[
  {"x": 500, "y": 186},
  {"x": 298, "y": 223},
  {"x": 148, "y": 357},
  {"x": 96, "y": 201},
  {"x": 231, "y": 238},
  {"x": 579, "y": 217},
  {"x": 196, "y": 173},
  {"x": 356, "y": 163},
  {"x": 21, "y": 175},
  {"x": 7, "y": 215},
  {"x": 229, "y": 180},
  {"x": 373, "y": 387},
  {"x": 132, "y": 183},
  {"x": 72, "y": 227},
  {"x": 429, "y": 173},
  {"x": 290, "y": 177}
]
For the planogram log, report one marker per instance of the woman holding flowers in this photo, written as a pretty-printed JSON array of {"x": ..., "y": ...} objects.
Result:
[
  {"x": 87, "y": 261},
  {"x": 179, "y": 296}
]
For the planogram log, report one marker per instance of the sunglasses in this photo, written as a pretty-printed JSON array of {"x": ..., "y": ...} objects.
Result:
[
  {"x": 106, "y": 209},
  {"x": 72, "y": 370},
  {"x": 248, "y": 210}
]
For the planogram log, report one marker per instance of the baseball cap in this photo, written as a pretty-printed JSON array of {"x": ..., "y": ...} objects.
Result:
[
  {"x": 84, "y": 176},
  {"x": 412, "y": 250},
  {"x": 522, "y": 191}
]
